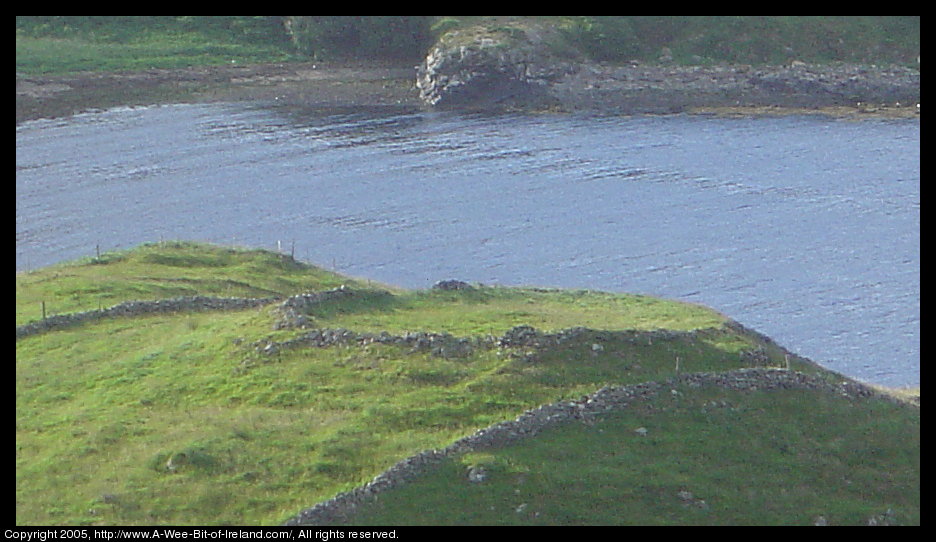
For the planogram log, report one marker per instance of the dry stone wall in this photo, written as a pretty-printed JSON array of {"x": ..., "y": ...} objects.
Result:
[
  {"x": 530, "y": 423},
  {"x": 293, "y": 310},
  {"x": 446, "y": 345},
  {"x": 138, "y": 308}
]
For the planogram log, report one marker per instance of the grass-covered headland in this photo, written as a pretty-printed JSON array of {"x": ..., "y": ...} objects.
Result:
[
  {"x": 202, "y": 413},
  {"x": 69, "y": 43}
]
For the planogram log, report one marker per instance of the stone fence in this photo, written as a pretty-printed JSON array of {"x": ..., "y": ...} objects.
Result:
[
  {"x": 448, "y": 346},
  {"x": 530, "y": 423},
  {"x": 137, "y": 308},
  {"x": 291, "y": 310}
]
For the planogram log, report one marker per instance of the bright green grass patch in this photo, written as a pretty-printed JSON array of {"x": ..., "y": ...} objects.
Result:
[
  {"x": 158, "y": 419},
  {"x": 41, "y": 55},
  {"x": 709, "y": 457},
  {"x": 495, "y": 310},
  {"x": 103, "y": 409},
  {"x": 164, "y": 270},
  {"x": 177, "y": 419}
]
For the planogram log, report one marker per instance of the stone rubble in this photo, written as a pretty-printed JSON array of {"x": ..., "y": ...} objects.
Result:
[
  {"x": 448, "y": 346},
  {"x": 293, "y": 311},
  {"x": 451, "y": 285}
]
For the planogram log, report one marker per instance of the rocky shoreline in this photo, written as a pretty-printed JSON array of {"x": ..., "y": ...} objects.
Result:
[
  {"x": 485, "y": 68},
  {"x": 638, "y": 89},
  {"x": 483, "y": 80}
]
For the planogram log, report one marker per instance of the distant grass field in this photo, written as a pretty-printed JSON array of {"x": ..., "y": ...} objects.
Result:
[
  {"x": 67, "y": 44},
  {"x": 177, "y": 419},
  {"x": 50, "y": 45},
  {"x": 36, "y": 56}
]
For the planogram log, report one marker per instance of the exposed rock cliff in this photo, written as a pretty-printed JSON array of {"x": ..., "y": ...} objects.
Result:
[
  {"x": 480, "y": 66},
  {"x": 483, "y": 67}
]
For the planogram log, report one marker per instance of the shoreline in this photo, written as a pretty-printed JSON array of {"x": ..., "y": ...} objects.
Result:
[{"x": 603, "y": 89}]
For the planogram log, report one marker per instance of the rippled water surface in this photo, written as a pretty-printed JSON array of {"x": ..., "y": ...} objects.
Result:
[{"x": 804, "y": 228}]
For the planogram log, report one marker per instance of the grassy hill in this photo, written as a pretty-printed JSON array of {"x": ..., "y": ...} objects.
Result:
[
  {"x": 686, "y": 455},
  {"x": 217, "y": 417},
  {"x": 62, "y": 44}
]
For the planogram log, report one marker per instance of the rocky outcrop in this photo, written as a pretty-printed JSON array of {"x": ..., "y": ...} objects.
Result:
[
  {"x": 451, "y": 285},
  {"x": 477, "y": 67},
  {"x": 481, "y": 67}
]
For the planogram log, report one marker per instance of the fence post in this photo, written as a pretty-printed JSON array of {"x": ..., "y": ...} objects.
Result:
[{"x": 43, "y": 309}]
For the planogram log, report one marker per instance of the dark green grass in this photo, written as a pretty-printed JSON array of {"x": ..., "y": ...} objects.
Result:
[
  {"x": 56, "y": 45},
  {"x": 709, "y": 457}
]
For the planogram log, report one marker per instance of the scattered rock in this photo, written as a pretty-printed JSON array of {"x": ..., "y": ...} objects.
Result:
[
  {"x": 451, "y": 285},
  {"x": 688, "y": 499},
  {"x": 477, "y": 475},
  {"x": 888, "y": 518},
  {"x": 176, "y": 461}
]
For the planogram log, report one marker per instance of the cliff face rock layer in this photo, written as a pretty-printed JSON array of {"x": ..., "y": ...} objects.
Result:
[
  {"x": 482, "y": 67},
  {"x": 478, "y": 67}
]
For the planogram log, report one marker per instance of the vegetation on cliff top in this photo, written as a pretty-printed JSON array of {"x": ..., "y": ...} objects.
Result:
[
  {"x": 184, "y": 418},
  {"x": 59, "y": 44}
]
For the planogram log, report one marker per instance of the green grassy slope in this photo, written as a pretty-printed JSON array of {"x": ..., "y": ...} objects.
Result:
[
  {"x": 180, "y": 418},
  {"x": 164, "y": 270},
  {"x": 704, "y": 456}
]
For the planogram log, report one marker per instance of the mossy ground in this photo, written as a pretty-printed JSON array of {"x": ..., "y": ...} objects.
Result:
[{"x": 158, "y": 419}]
